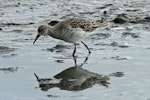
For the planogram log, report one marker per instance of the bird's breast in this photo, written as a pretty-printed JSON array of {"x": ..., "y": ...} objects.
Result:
[{"x": 72, "y": 35}]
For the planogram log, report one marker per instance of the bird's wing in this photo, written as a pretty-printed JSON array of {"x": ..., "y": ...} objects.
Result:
[{"x": 83, "y": 24}]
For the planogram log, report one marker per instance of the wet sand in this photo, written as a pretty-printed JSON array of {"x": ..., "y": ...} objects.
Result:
[{"x": 117, "y": 69}]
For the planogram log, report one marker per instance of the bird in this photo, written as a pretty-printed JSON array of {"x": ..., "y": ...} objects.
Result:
[{"x": 72, "y": 30}]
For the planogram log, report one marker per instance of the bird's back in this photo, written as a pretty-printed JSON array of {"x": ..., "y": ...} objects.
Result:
[{"x": 84, "y": 24}]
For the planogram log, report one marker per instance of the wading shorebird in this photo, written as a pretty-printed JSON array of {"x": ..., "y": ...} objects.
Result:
[{"x": 71, "y": 30}]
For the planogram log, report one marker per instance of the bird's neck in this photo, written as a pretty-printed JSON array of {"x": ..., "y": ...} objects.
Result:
[{"x": 51, "y": 32}]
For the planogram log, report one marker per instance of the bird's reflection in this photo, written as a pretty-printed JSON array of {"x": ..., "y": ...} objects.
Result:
[{"x": 73, "y": 79}]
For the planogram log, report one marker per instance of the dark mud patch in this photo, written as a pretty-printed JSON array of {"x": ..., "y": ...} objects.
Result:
[
  {"x": 20, "y": 40},
  {"x": 131, "y": 18},
  {"x": 52, "y": 96},
  {"x": 16, "y": 24},
  {"x": 120, "y": 58},
  {"x": 59, "y": 61},
  {"x": 88, "y": 13},
  {"x": 148, "y": 48},
  {"x": 117, "y": 74},
  {"x": 6, "y": 50},
  {"x": 59, "y": 48},
  {"x": 121, "y": 19},
  {"x": 133, "y": 35},
  {"x": 54, "y": 22},
  {"x": 16, "y": 31},
  {"x": 9, "y": 69},
  {"x": 9, "y": 55}
]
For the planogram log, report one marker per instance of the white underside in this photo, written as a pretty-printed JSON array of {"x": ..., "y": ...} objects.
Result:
[{"x": 73, "y": 36}]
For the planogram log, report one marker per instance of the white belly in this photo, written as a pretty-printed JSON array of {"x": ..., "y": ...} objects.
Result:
[{"x": 73, "y": 35}]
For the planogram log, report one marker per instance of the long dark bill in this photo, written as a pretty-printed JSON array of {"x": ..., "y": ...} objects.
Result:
[{"x": 36, "y": 38}]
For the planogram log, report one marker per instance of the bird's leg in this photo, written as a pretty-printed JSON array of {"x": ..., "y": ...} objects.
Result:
[
  {"x": 75, "y": 60},
  {"x": 86, "y": 47},
  {"x": 74, "y": 51},
  {"x": 85, "y": 60}
]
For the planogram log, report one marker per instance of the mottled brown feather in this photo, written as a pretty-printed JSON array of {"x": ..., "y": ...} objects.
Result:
[{"x": 86, "y": 25}]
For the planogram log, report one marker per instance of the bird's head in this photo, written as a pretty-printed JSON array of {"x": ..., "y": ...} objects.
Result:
[{"x": 42, "y": 30}]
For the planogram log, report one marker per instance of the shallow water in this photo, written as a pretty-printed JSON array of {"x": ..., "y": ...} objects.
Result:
[{"x": 120, "y": 52}]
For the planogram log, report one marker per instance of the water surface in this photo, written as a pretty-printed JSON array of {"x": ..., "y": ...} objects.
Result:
[{"x": 117, "y": 69}]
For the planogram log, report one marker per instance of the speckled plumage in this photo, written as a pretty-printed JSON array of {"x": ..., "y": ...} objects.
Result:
[{"x": 85, "y": 25}]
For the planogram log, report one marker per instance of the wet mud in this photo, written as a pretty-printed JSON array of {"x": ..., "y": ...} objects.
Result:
[{"x": 117, "y": 69}]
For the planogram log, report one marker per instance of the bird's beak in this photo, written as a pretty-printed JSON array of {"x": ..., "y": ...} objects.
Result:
[{"x": 36, "y": 38}]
